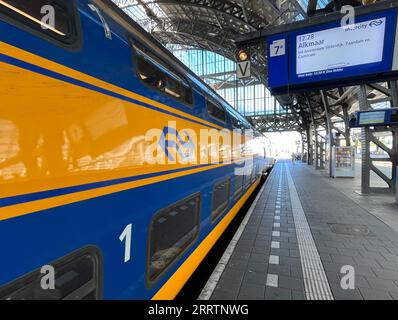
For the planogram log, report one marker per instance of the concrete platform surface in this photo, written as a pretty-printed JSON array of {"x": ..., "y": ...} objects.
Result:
[{"x": 305, "y": 239}]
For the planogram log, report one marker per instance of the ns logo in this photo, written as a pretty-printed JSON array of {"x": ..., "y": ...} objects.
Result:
[
  {"x": 170, "y": 146},
  {"x": 375, "y": 23},
  {"x": 172, "y": 139}
]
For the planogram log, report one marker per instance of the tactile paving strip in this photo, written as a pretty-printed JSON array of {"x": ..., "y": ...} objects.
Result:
[{"x": 315, "y": 280}]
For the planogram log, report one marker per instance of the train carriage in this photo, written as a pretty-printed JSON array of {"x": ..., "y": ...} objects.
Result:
[{"x": 107, "y": 176}]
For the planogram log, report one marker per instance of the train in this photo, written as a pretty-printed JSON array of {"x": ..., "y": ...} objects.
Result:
[{"x": 119, "y": 167}]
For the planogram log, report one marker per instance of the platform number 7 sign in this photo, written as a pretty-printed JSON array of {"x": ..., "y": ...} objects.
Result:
[{"x": 278, "y": 48}]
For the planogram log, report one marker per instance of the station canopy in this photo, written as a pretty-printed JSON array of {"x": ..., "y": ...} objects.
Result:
[{"x": 214, "y": 25}]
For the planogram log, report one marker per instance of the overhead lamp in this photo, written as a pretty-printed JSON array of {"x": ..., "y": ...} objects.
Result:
[
  {"x": 243, "y": 55},
  {"x": 366, "y": 2}
]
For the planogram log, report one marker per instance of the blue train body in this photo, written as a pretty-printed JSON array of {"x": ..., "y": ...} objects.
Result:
[{"x": 69, "y": 215}]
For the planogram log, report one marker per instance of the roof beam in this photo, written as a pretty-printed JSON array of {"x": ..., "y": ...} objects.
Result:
[{"x": 224, "y": 7}]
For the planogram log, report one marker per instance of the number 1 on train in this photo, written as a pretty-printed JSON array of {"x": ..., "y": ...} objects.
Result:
[{"x": 126, "y": 235}]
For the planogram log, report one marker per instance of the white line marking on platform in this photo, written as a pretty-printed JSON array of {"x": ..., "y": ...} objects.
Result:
[
  {"x": 315, "y": 281},
  {"x": 275, "y": 244},
  {"x": 272, "y": 280},
  {"x": 277, "y": 225},
  {"x": 273, "y": 259},
  {"x": 276, "y": 234},
  {"x": 277, "y": 217}
]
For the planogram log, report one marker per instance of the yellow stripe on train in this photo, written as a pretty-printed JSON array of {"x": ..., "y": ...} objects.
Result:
[
  {"x": 56, "y": 134},
  {"x": 52, "y": 202},
  {"x": 61, "y": 69}
]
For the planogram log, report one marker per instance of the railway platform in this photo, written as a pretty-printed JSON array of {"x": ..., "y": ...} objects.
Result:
[{"x": 304, "y": 239}]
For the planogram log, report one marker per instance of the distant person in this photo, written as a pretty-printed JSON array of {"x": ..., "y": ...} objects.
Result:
[{"x": 293, "y": 157}]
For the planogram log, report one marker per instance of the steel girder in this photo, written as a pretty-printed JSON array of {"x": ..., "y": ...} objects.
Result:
[
  {"x": 337, "y": 112},
  {"x": 304, "y": 147},
  {"x": 214, "y": 24},
  {"x": 324, "y": 117},
  {"x": 336, "y": 118},
  {"x": 369, "y": 96},
  {"x": 245, "y": 15},
  {"x": 318, "y": 129},
  {"x": 196, "y": 34},
  {"x": 306, "y": 131},
  {"x": 276, "y": 122},
  {"x": 307, "y": 145}
]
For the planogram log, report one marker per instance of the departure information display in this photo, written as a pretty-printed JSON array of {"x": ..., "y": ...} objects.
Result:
[
  {"x": 332, "y": 50},
  {"x": 328, "y": 54},
  {"x": 374, "y": 117}
]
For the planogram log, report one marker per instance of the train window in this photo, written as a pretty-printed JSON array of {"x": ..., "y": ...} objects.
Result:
[
  {"x": 54, "y": 18},
  {"x": 247, "y": 180},
  {"x": 394, "y": 116},
  {"x": 238, "y": 186},
  {"x": 248, "y": 129},
  {"x": 172, "y": 231},
  {"x": 254, "y": 175},
  {"x": 160, "y": 76},
  {"x": 259, "y": 171},
  {"x": 77, "y": 277},
  {"x": 220, "y": 198},
  {"x": 215, "y": 111},
  {"x": 236, "y": 123}
]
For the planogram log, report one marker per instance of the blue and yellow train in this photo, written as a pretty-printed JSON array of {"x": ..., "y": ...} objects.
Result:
[{"x": 106, "y": 186}]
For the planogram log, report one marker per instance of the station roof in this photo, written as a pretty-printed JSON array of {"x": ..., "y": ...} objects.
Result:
[{"x": 215, "y": 25}]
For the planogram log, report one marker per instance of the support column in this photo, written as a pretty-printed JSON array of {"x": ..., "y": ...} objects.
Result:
[
  {"x": 310, "y": 157},
  {"x": 329, "y": 130},
  {"x": 317, "y": 119},
  {"x": 369, "y": 95},
  {"x": 337, "y": 118}
]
